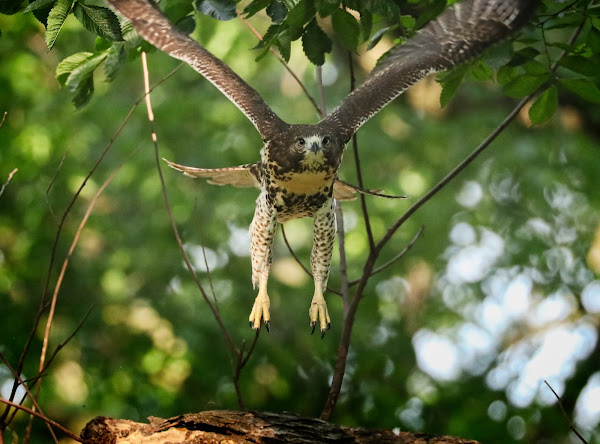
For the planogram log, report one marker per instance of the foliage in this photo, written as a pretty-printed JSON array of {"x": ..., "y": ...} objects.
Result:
[{"x": 527, "y": 211}]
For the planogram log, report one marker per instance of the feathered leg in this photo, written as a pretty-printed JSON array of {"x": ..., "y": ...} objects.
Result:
[
  {"x": 262, "y": 230},
  {"x": 320, "y": 260}
]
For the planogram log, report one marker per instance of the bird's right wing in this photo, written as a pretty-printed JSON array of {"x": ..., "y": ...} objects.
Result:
[
  {"x": 242, "y": 176},
  {"x": 156, "y": 29},
  {"x": 458, "y": 35}
]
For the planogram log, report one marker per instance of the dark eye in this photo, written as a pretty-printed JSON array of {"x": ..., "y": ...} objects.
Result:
[
  {"x": 300, "y": 141},
  {"x": 325, "y": 141}
]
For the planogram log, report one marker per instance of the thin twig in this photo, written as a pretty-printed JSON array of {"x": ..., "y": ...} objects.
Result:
[
  {"x": 216, "y": 313},
  {"x": 395, "y": 258},
  {"x": 28, "y": 393},
  {"x": 43, "y": 418},
  {"x": 322, "y": 100},
  {"x": 339, "y": 220},
  {"x": 62, "y": 161},
  {"x": 560, "y": 404},
  {"x": 3, "y": 118},
  {"x": 10, "y": 176},
  {"x": 285, "y": 65}
]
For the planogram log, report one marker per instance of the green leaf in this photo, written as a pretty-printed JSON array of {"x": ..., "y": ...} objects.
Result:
[
  {"x": 525, "y": 84},
  {"x": 56, "y": 20},
  {"x": 99, "y": 20},
  {"x": 315, "y": 43},
  {"x": 583, "y": 88},
  {"x": 580, "y": 65},
  {"x": 83, "y": 92},
  {"x": 284, "y": 43},
  {"x": 366, "y": 24},
  {"x": 522, "y": 56},
  {"x": 255, "y": 6},
  {"x": 219, "y": 9},
  {"x": 79, "y": 75},
  {"x": 300, "y": 14},
  {"x": 506, "y": 74},
  {"x": 38, "y": 4},
  {"x": 377, "y": 37},
  {"x": 407, "y": 21},
  {"x": 114, "y": 60},
  {"x": 544, "y": 106},
  {"x": 277, "y": 11},
  {"x": 67, "y": 65},
  {"x": 481, "y": 72},
  {"x": 450, "y": 83},
  {"x": 187, "y": 24},
  {"x": 346, "y": 28}
]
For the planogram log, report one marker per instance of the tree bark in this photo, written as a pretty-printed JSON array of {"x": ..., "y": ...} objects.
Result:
[{"x": 233, "y": 427}]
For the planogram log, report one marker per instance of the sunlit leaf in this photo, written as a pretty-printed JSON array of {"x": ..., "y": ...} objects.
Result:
[
  {"x": 544, "y": 106},
  {"x": 450, "y": 83},
  {"x": 66, "y": 66},
  {"x": 56, "y": 19},
  {"x": 114, "y": 60}
]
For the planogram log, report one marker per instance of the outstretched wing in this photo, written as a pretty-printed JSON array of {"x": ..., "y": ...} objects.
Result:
[
  {"x": 240, "y": 176},
  {"x": 459, "y": 34},
  {"x": 155, "y": 28}
]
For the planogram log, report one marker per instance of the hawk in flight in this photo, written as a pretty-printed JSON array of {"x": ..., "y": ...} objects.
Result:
[{"x": 297, "y": 171}]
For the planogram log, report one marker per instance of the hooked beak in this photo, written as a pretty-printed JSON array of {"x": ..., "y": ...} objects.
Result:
[{"x": 315, "y": 147}]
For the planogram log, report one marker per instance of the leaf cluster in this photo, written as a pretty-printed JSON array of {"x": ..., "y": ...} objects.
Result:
[{"x": 543, "y": 61}]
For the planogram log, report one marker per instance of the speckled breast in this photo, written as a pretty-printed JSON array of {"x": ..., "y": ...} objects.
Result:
[{"x": 296, "y": 195}]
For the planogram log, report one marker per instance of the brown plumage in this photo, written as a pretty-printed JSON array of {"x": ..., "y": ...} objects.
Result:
[{"x": 297, "y": 172}]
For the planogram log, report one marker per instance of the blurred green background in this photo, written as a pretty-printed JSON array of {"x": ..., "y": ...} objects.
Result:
[{"x": 501, "y": 292}]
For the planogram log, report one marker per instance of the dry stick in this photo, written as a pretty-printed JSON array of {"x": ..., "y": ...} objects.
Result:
[
  {"x": 10, "y": 176},
  {"x": 49, "y": 362},
  {"x": 3, "y": 118},
  {"x": 571, "y": 426},
  {"x": 17, "y": 377},
  {"x": 55, "y": 246},
  {"x": 43, "y": 418},
  {"x": 186, "y": 258},
  {"x": 285, "y": 65},
  {"x": 340, "y": 365}
]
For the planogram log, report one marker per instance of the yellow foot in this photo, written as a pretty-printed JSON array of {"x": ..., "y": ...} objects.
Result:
[
  {"x": 260, "y": 311},
  {"x": 318, "y": 313}
]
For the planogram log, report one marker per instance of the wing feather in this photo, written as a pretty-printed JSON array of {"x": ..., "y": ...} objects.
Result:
[
  {"x": 242, "y": 176},
  {"x": 155, "y": 28},
  {"x": 459, "y": 34}
]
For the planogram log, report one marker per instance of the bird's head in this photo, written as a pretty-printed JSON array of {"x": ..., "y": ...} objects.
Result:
[{"x": 307, "y": 147}]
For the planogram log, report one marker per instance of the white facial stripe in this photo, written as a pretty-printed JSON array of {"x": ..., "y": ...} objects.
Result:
[{"x": 313, "y": 139}]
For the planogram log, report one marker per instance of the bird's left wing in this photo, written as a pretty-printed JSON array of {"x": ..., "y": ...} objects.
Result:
[
  {"x": 155, "y": 28},
  {"x": 458, "y": 35},
  {"x": 242, "y": 176}
]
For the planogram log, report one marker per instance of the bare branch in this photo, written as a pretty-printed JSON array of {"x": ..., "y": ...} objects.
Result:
[
  {"x": 560, "y": 404},
  {"x": 10, "y": 176},
  {"x": 216, "y": 313},
  {"x": 28, "y": 393},
  {"x": 45, "y": 419}
]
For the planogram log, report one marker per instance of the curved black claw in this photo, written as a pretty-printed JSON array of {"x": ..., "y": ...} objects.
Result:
[
  {"x": 251, "y": 324},
  {"x": 313, "y": 325},
  {"x": 323, "y": 333},
  {"x": 268, "y": 326}
]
